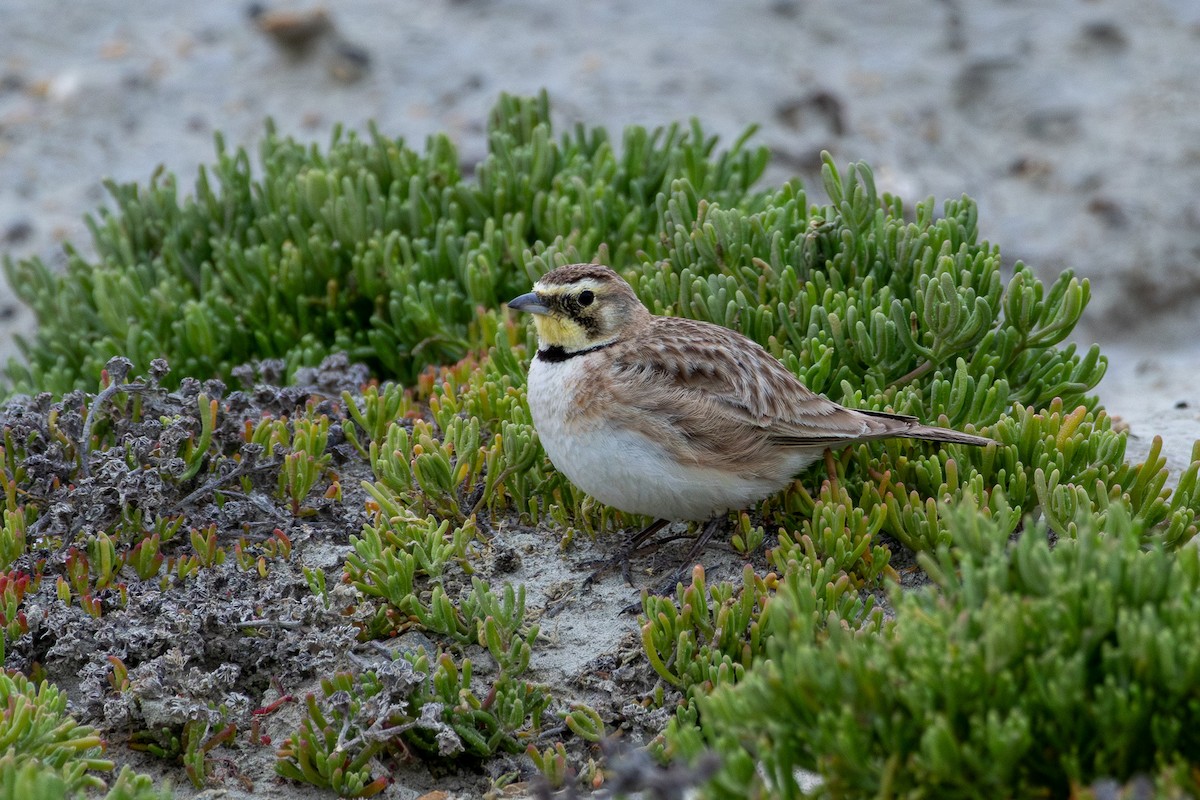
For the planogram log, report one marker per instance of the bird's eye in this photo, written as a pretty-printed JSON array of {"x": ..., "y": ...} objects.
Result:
[{"x": 586, "y": 297}]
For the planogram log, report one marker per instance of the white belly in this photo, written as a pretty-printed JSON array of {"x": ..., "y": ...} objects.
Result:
[{"x": 621, "y": 467}]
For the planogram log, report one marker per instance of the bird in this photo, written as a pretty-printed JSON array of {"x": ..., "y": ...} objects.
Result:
[{"x": 673, "y": 418}]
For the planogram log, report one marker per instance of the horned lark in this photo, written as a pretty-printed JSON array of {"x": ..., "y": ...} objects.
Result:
[{"x": 673, "y": 418}]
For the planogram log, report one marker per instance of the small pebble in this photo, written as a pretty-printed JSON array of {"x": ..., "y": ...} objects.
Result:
[{"x": 18, "y": 232}]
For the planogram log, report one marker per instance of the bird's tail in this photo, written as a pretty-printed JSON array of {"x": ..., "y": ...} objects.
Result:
[{"x": 906, "y": 427}]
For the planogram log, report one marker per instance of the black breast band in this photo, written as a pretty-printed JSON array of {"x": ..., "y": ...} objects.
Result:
[{"x": 555, "y": 354}]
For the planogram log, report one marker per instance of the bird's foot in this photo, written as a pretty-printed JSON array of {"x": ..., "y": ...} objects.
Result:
[
  {"x": 622, "y": 557},
  {"x": 667, "y": 587}
]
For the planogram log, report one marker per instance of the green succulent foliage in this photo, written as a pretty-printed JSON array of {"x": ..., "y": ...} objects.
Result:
[
  {"x": 861, "y": 302},
  {"x": 339, "y": 737},
  {"x": 1058, "y": 463},
  {"x": 710, "y": 636},
  {"x": 506, "y": 714},
  {"x": 1029, "y": 670},
  {"x": 130, "y": 785},
  {"x": 48, "y": 755},
  {"x": 367, "y": 247},
  {"x": 37, "y": 780}
]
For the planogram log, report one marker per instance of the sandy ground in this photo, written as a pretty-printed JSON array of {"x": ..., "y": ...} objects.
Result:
[{"x": 1075, "y": 125}]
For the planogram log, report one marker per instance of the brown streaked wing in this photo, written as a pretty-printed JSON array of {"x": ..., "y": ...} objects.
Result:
[{"x": 711, "y": 392}]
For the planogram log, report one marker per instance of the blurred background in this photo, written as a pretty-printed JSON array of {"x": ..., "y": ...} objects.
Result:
[{"x": 1075, "y": 124}]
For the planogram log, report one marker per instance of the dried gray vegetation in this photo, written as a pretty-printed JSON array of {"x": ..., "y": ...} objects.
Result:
[{"x": 225, "y": 643}]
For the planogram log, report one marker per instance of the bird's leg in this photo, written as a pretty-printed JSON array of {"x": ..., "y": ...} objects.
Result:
[
  {"x": 702, "y": 540},
  {"x": 622, "y": 556}
]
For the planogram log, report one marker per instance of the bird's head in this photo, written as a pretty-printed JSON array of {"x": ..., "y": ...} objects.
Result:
[{"x": 581, "y": 306}]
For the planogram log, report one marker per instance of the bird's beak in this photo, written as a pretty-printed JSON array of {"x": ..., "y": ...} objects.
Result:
[{"x": 528, "y": 302}]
